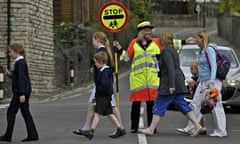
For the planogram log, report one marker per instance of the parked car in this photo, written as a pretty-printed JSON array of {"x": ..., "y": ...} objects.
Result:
[{"x": 231, "y": 86}]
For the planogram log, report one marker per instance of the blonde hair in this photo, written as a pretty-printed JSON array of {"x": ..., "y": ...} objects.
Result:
[
  {"x": 194, "y": 68},
  {"x": 194, "y": 65},
  {"x": 101, "y": 57},
  {"x": 165, "y": 38},
  {"x": 140, "y": 36},
  {"x": 18, "y": 48},
  {"x": 205, "y": 36},
  {"x": 102, "y": 37}
]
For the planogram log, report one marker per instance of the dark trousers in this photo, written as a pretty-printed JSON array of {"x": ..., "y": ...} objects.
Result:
[
  {"x": 11, "y": 116},
  {"x": 135, "y": 113}
]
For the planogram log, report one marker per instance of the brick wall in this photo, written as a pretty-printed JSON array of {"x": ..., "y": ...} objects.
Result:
[{"x": 32, "y": 25}]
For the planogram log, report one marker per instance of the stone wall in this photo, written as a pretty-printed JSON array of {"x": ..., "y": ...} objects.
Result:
[
  {"x": 175, "y": 20},
  {"x": 3, "y": 27},
  {"x": 236, "y": 31},
  {"x": 32, "y": 26},
  {"x": 73, "y": 44},
  {"x": 49, "y": 52},
  {"x": 225, "y": 27},
  {"x": 228, "y": 28}
]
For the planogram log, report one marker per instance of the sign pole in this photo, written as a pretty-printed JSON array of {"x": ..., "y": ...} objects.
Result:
[
  {"x": 116, "y": 71},
  {"x": 113, "y": 17}
]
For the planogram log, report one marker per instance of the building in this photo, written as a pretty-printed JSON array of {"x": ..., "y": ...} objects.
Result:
[
  {"x": 78, "y": 11},
  {"x": 30, "y": 22}
]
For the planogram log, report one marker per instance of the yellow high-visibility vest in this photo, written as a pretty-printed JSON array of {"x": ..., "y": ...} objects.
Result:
[{"x": 144, "y": 80}]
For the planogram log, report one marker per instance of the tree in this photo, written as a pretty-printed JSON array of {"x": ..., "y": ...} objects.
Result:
[
  {"x": 141, "y": 8},
  {"x": 229, "y": 6}
]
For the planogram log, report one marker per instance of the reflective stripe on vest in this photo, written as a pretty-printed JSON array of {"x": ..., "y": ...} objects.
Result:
[
  {"x": 144, "y": 70},
  {"x": 177, "y": 44},
  {"x": 124, "y": 56}
]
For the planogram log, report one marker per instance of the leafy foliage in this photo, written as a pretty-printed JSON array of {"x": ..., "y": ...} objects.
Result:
[
  {"x": 62, "y": 27},
  {"x": 229, "y": 6},
  {"x": 141, "y": 9}
]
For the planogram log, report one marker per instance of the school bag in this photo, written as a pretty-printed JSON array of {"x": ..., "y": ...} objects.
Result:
[
  {"x": 207, "y": 106},
  {"x": 223, "y": 64},
  {"x": 210, "y": 100}
]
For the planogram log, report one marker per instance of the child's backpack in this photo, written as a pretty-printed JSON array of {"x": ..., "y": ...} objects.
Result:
[{"x": 223, "y": 64}]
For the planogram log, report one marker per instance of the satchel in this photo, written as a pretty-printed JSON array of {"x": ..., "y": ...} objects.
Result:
[{"x": 207, "y": 106}]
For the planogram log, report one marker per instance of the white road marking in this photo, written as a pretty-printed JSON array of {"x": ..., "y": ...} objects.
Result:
[
  {"x": 2, "y": 106},
  {"x": 72, "y": 96},
  {"x": 142, "y": 139}
]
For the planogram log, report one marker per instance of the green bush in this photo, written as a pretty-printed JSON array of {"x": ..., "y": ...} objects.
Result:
[
  {"x": 232, "y": 6},
  {"x": 62, "y": 27}
]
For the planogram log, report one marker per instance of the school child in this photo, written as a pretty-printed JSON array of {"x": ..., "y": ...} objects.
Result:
[
  {"x": 192, "y": 82},
  {"x": 21, "y": 87},
  {"x": 192, "y": 85},
  {"x": 100, "y": 43},
  {"x": 104, "y": 90}
]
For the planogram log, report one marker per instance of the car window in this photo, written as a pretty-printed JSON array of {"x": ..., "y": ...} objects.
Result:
[
  {"x": 187, "y": 56},
  {"x": 231, "y": 57}
]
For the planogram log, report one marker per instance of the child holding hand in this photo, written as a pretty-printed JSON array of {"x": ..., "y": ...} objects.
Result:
[
  {"x": 192, "y": 86},
  {"x": 192, "y": 82}
]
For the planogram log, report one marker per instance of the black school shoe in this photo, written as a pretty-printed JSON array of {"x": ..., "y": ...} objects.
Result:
[
  {"x": 4, "y": 138},
  {"x": 133, "y": 131},
  {"x": 29, "y": 139},
  {"x": 80, "y": 132},
  {"x": 119, "y": 132},
  {"x": 88, "y": 134}
]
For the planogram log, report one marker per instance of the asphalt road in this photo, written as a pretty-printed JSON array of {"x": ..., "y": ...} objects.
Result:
[
  {"x": 56, "y": 119},
  {"x": 59, "y": 115}
]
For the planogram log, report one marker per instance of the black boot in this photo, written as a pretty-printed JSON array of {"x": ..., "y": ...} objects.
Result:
[
  {"x": 135, "y": 115},
  {"x": 5, "y": 138}
]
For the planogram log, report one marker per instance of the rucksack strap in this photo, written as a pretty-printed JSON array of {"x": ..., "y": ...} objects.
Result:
[{"x": 206, "y": 54}]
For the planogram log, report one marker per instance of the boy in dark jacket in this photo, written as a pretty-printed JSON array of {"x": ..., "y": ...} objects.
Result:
[{"x": 104, "y": 89}]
